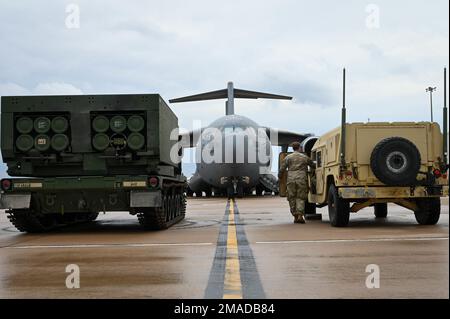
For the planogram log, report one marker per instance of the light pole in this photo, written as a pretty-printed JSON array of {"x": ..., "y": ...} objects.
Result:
[{"x": 431, "y": 90}]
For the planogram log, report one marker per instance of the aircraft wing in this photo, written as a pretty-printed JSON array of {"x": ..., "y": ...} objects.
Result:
[
  {"x": 277, "y": 137},
  {"x": 284, "y": 138}
]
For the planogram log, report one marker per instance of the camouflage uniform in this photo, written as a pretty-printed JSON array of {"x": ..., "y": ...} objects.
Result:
[{"x": 297, "y": 181}]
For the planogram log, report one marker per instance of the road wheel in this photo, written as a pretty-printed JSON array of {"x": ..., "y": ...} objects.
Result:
[
  {"x": 338, "y": 208},
  {"x": 181, "y": 206},
  {"x": 395, "y": 161},
  {"x": 429, "y": 211},
  {"x": 28, "y": 221},
  {"x": 172, "y": 210},
  {"x": 381, "y": 210}
]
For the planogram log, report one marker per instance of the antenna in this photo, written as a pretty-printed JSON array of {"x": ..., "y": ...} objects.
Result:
[
  {"x": 343, "y": 121},
  {"x": 431, "y": 90},
  {"x": 445, "y": 121}
]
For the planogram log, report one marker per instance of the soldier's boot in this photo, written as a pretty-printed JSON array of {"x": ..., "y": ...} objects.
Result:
[{"x": 300, "y": 219}]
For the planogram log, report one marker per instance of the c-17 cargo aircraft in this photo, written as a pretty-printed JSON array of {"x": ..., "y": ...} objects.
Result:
[{"x": 235, "y": 152}]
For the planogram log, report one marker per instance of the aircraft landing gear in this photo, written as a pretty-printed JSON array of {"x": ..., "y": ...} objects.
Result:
[
  {"x": 230, "y": 191},
  {"x": 240, "y": 191},
  {"x": 235, "y": 189}
]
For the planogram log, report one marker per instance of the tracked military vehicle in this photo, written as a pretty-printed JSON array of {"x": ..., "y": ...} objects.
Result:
[
  {"x": 373, "y": 164},
  {"x": 76, "y": 156}
]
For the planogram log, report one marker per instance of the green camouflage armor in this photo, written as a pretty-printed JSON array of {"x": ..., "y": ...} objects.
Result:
[{"x": 297, "y": 180}]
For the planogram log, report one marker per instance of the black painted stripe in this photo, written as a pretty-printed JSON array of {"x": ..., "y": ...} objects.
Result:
[
  {"x": 251, "y": 283},
  {"x": 214, "y": 290}
]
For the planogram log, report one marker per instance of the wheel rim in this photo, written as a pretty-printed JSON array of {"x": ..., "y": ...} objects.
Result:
[{"x": 397, "y": 162}]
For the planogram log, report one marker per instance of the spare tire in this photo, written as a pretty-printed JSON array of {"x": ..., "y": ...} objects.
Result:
[{"x": 395, "y": 161}]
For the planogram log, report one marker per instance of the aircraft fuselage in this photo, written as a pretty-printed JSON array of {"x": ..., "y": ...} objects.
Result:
[{"x": 234, "y": 152}]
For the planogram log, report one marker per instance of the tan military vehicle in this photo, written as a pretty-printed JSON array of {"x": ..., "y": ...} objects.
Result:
[{"x": 373, "y": 164}]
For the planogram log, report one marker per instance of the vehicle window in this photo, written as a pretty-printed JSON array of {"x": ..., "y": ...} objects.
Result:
[{"x": 319, "y": 159}]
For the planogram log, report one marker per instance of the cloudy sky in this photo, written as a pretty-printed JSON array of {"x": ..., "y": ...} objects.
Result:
[{"x": 392, "y": 50}]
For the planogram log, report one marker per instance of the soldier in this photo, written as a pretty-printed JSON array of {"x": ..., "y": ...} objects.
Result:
[{"x": 297, "y": 181}]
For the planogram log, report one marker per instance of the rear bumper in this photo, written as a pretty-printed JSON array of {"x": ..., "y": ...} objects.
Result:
[
  {"x": 81, "y": 194},
  {"x": 19, "y": 185},
  {"x": 137, "y": 199},
  {"x": 393, "y": 192}
]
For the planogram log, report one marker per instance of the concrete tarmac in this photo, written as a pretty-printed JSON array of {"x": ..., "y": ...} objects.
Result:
[{"x": 244, "y": 249}]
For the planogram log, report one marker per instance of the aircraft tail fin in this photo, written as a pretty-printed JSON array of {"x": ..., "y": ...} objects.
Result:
[{"x": 230, "y": 93}]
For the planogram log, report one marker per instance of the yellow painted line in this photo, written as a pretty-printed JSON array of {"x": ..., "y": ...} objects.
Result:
[{"x": 232, "y": 288}]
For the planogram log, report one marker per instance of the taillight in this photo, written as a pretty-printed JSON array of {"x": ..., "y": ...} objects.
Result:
[
  {"x": 153, "y": 181},
  {"x": 348, "y": 174},
  {"x": 6, "y": 184},
  {"x": 437, "y": 173}
]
